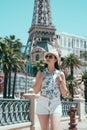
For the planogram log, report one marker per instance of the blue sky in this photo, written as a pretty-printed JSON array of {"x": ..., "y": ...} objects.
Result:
[{"x": 68, "y": 16}]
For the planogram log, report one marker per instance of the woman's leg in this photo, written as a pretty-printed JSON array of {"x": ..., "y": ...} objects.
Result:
[
  {"x": 44, "y": 121},
  {"x": 55, "y": 122}
]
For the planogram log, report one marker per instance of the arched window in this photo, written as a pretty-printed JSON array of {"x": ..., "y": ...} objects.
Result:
[{"x": 37, "y": 57}]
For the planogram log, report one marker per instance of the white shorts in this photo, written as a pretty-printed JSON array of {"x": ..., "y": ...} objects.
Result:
[{"x": 47, "y": 106}]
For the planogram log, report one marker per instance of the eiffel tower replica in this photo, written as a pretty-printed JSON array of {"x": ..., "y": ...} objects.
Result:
[{"x": 42, "y": 31}]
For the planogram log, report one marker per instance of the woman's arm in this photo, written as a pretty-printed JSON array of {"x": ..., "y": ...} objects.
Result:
[
  {"x": 37, "y": 85},
  {"x": 62, "y": 83}
]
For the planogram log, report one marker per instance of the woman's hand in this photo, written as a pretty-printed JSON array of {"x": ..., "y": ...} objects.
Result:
[{"x": 40, "y": 76}]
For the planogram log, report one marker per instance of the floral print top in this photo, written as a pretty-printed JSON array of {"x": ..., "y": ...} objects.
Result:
[{"x": 50, "y": 87}]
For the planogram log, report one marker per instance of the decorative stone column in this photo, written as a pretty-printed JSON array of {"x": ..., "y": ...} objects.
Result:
[
  {"x": 33, "y": 117},
  {"x": 81, "y": 107}
]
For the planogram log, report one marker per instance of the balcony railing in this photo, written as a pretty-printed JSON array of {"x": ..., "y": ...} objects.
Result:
[{"x": 14, "y": 111}]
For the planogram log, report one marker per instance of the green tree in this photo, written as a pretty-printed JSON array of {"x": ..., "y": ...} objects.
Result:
[
  {"x": 84, "y": 55},
  {"x": 12, "y": 60},
  {"x": 71, "y": 82},
  {"x": 39, "y": 65},
  {"x": 71, "y": 62},
  {"x": 84, "y": 80},
  {"x": 3, "y": 58}
]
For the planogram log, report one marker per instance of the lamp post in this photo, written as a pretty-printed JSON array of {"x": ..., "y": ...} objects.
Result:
[
  {"x": 26, "y": 74},
  {"x": 28, "y": 71}
]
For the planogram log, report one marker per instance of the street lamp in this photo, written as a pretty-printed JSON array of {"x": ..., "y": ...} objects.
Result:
[{"x": 28, "y": 71}]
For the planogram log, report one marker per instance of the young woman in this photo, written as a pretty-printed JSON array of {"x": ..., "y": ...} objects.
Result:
[{"x": 50, "y": 83}]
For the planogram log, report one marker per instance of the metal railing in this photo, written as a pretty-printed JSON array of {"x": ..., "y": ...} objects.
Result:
[
  {"x": 17, "y": 111},
  {"x": 14, "y": 111},
  {"x": 66, "y": 108}
]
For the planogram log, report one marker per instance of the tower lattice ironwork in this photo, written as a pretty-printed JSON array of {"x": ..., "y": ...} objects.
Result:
[
  {"x": 42, "y": 13},
  {"x": 42, "y": 28}
]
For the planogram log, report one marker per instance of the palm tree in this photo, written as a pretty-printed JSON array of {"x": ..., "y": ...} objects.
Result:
[
  {"x": 11, "y": 60},
  {"x": 84, "y": 55},
  {"x": 84, "y": 80},
  {"x": 3, "y": 58},
  {"x": 17, "y": 66},
  {"x": 71, "y": 62},
  {"x": 71, "y": 82}
]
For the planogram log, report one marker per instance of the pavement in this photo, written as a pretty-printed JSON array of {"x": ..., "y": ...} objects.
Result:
[
  {"x": 64, "y": 125},
  {"x": 81, "y": 125}
]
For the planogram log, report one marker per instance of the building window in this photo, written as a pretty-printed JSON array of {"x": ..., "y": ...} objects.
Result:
[
  {"x": 81, "y": 44},
  {"x": 64, "y": 41},
  {"x": 37, "y": 57},
  {"x": 77, "y": 43},
  {"x": 73, "y": 43},
  {"x": 69, "y": 43},
  {"x": 85, "y": 44}
]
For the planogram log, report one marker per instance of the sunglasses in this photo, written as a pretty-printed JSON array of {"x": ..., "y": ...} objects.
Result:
[{"x": 49, "y": 56}]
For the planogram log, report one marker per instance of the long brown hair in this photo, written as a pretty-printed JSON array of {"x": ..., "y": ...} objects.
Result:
[{"x": 56, "y": 65}]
